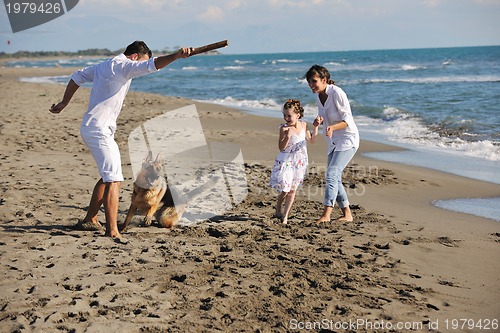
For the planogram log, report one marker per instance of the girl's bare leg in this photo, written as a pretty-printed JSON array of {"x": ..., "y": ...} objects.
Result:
[
  {"x": 279, "y": 205},
  {"x": 288, "y": 206}
]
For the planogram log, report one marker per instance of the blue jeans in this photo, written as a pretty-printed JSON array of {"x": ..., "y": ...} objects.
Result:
[{"x": 335, "y": 191}]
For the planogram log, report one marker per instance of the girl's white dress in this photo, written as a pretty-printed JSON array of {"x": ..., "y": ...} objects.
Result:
[{"x": 291, "y": 164}]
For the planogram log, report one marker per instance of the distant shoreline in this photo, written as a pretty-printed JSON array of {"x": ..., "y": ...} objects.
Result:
[
  {"x": 41, "y": 58},
  {"x": 90, "y": 53}
]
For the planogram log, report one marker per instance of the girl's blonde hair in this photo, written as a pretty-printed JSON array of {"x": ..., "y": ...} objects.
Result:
[{"x": 295, "y": 105}]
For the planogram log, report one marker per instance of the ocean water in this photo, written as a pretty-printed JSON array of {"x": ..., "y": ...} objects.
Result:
[
  {"x": 441, "y": 104},
  {"x": 484, "y": 207}
]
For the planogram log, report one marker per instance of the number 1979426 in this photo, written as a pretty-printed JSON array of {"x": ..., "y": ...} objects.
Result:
[
  {"x": 471, "y": 324},
  {"x": 33, "y": 8}
]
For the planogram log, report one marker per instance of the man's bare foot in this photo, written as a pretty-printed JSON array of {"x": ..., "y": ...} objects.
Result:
[
  {"x": 112, "y": 234},
  {"x": 284, "y": 220},
  {"x": 117, "y": 237},
  {"x": 88, "y": 226},
  {"x": 120, "y": 240}
]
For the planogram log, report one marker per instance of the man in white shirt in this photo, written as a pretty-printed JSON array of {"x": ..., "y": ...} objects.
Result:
[{"x": 110, "y": 83}]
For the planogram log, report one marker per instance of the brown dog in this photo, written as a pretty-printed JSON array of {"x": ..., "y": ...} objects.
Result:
[{"x": 153, "y": 196}]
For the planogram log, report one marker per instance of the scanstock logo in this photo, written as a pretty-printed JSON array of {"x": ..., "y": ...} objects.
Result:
[
  {"x": 191, "y": 164},
  {"x": 26, "y": 14}
]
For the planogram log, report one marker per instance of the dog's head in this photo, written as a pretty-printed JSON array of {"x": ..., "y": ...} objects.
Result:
[{"x": 151, "y": 172}]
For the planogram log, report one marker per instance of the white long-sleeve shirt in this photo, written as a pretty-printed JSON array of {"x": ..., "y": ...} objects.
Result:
[
  {"x": 336, "y": 109},
  {"x": 110, "y": 83}
]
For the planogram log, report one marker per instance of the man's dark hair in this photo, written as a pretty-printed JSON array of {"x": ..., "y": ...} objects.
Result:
[{"x": 138, "y": 47}]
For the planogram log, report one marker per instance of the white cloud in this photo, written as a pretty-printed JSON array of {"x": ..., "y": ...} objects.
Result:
[
  {"x": 119, "y": 5},
  {"x": 157, "y": 3},
  {"x": 233, "y": 4},
  {"x": 303, "y": 4},
  {"x": 295, "y": 3},
  {"x": 109, "y": 3},
  {"x": 432, "y": 3},
  {"x": 212, "y": 14}
]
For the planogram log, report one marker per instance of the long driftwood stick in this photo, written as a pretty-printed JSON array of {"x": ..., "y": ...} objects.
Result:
[{"x": 209, "y": 47}]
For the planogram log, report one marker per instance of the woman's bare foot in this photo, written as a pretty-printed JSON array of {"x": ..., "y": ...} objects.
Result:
[
  {"x": 344, "y": 219},
  {"x": 323, "y": 219},
  {"x": 327, "y": 212},
  {"x": 347, "y": 215},
  {"x": 284, "y": 220}
]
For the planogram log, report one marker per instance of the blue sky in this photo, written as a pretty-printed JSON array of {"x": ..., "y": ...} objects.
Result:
[{"x": 264, "y": 26}]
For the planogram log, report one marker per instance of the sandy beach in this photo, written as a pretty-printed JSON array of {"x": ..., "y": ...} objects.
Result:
[{"x": 403, "y": 265}]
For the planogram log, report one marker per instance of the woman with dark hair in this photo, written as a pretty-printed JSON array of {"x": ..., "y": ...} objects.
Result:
[{"x": 341, "y": 134}]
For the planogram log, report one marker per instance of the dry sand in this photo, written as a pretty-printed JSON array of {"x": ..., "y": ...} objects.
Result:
[{"x": 401, "y": 260}]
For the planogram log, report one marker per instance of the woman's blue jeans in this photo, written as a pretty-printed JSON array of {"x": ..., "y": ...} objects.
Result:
[{"x": 335, "y": 191}]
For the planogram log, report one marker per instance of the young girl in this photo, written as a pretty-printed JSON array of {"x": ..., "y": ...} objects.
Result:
[
  {"x": 291, "y": 164},
  {"x": 341, "y": 135}
]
